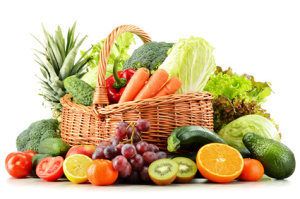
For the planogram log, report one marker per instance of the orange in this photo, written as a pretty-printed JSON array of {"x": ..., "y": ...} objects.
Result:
[
  {"x": 219, "y": 162},
  {"x": 102, "y": 172}
]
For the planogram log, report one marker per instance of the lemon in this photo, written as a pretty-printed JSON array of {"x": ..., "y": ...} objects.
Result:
[{"x": 75, "y": 167}]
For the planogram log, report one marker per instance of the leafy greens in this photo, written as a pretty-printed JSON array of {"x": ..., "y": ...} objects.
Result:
[
  {"x": 190, "y": 60},
  {"x": 236, "y": 96},
  {"x": 119, "y": 49}
]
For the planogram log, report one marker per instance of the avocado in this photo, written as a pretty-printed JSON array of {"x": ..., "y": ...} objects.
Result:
[{"x": 278, "y": 160}]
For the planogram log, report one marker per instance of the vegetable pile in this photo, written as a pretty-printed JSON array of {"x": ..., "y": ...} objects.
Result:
[{"x": 245, "y": 143}]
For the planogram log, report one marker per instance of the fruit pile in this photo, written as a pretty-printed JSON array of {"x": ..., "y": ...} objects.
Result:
[
  {"x": 127, "y": 158},
  {"x": 130, "y": 155}
]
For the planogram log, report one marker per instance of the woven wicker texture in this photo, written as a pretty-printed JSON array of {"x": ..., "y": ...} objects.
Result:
[{"x": 90, "y": 125}]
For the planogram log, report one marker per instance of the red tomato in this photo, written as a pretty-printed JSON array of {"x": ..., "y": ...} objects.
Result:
[
  {"x": 18, "y": 164},
  {"x": 50, "y": 168},
  {"x": 30, "y": 153},
  {"x": 253, "y": 170}
]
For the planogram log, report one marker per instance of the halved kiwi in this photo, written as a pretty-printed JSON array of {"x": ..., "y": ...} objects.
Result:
[
  {"x": 187, "y": 169},
  {"x": 163, "y": 171}
]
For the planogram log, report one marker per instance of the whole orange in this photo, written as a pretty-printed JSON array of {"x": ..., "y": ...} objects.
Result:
[
  {"x": 253, "y": 170},
  {"x": 101, "y": 172}
]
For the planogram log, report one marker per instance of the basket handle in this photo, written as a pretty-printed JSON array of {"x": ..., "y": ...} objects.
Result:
[{"x": 100, "y": 94}]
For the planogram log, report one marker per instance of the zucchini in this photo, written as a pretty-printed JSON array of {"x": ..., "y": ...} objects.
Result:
[
  {"x": 245, "y": 152},
  {"x": 192, "y": 137}
]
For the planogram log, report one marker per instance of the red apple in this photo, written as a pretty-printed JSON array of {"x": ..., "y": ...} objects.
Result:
[{"x": 87, "y": 150}]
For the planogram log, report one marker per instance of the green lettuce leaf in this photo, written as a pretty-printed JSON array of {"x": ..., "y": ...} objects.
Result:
[
  {"x": 232, "y": 85},
  {"x": 190, "y": 60},
  {"x": 119, "y": 49}
]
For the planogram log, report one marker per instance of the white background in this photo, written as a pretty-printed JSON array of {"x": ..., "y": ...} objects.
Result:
[{"x": 261, "y": 38}]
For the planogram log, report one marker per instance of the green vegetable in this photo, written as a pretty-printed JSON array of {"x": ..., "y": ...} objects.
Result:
[
  {"x": 236, "y": 96},
  {"x": 231, "y": 85},
  {"x": 30, "y": 138},
  {"x": 278, "y": 160},
  {"x": 81, "y": 91},
  {"x": 234, "y": 132},
  {"x": 150, "y": 55},
  {"x": 190, "y": 60},
  {"x": 245, "y": 153},
  {"x": 54, "y": 147},
  {"x": 226, "y": 110},
  {"x": 119, "y": 49},
  {"x": 191, "y": 137}
]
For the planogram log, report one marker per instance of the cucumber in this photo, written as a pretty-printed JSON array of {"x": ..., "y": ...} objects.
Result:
[
  {"x": 192, "y": 137},
  {"x": 54, "y": 147}
]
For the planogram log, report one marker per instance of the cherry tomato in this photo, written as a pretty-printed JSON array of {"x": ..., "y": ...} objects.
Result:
[
  {"x": 18, "y": 164},
  {"x": 30, "y": 153},
  {"x": 253, "y": 170},
  {"x": 50, "y": 168}
]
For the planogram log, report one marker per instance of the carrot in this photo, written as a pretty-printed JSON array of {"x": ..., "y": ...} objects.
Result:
[
  {"x": 155, "y": 82},
  {"x": 135, "y": 84},
  {"x": 170, "y": 87}
]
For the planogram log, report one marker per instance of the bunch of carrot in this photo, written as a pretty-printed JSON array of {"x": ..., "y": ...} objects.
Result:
[{"x": 141, "y": 86}]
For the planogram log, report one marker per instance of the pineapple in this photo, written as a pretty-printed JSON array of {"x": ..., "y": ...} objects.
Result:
[{"x": 57, "y": 64}]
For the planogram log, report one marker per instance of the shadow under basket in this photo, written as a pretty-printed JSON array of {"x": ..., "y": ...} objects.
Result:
[{"x": 91, "y": 125}]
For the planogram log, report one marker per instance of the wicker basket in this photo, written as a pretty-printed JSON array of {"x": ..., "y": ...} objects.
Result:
[{"x": 90, "y": 125}]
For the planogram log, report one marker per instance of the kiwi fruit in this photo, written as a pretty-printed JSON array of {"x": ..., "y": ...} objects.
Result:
[
  {"x": 163, "y": 171},
  {"x": 187, "y": 169}
]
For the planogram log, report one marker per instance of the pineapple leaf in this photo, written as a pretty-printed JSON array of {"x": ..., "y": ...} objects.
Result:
[
  {"x": 59, "y": 39},
  {"x": 69, "y": 61},
  {"x": 56, "y": 52},
  {"x": 70, "y": 39},
  {"x": 45, "y": 74},
  {"x": 40, "y": 52},
  {"x": 38, "y": 40},
  {"x": 51, "y": 70}
]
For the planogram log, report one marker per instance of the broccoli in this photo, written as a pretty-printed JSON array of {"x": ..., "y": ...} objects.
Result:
[
  {"x": 150, "y": 55},
  {"x": 30, "y": 138}
]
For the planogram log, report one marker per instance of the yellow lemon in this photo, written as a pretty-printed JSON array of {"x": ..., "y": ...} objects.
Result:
[{"x": 75, "y": 167}]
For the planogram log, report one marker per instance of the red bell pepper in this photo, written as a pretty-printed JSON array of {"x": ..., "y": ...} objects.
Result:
[{"x": 117, "y": 82}]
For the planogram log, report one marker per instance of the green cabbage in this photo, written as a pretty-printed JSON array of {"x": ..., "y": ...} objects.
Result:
[
  {"x": 190, "y": 60},
  {"x": 234, "y": 132}
]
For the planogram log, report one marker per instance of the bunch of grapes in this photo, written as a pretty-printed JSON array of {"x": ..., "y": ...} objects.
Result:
[{"x": 131, "y": 156}]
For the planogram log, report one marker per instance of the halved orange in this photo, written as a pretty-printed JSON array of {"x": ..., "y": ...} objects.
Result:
[{"x": 219, "y": 162}]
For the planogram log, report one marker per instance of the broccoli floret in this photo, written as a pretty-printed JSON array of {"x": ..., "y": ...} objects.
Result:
[
  {"x": 150, "y": 55},
  {"x": 50, "y": 134},
  {"x": 32, "y": 145},
  {"x": 30, "y": 138},
  {"x": 22, "y": 140}
]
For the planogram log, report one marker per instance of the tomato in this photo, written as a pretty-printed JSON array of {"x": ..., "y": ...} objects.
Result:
[
  {"x": 18, "y": 164},
  {"x": 50, "y": 168},
  {"x": 253, "y": 170},
  {"x": 102, "y": 172},
  {"x": 30, "y": 153}
]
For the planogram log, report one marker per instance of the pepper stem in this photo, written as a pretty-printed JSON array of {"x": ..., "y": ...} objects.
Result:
[{"x": 119, "y": 82}]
